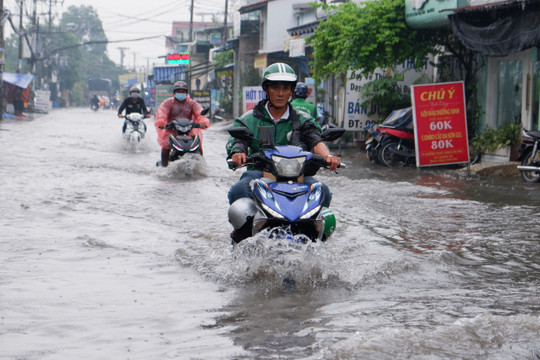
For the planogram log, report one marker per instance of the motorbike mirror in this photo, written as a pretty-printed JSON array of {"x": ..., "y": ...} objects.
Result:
[
  {"x": 333, "y": 133},
  {"x": 241, "y": 133},
  {"x": 205, "y": 111}
]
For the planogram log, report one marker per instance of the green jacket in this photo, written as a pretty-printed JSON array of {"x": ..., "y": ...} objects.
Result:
[
  {"x": 307, "y": 132},
  {"x": 305, "y": 106}
]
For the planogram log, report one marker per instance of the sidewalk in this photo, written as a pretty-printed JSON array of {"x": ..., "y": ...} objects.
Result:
[{"x": 494, "y": 169}]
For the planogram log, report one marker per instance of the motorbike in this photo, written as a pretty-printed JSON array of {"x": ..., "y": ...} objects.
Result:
[
  {"x": 529, "y": 155},
  {"x": 392, "y": 142},
  {"x": 281, "y": 202},
  {"x": 135, "y": 129},
  {"x": 94, "y": 107},
  {"x": 182, "y": 143}
]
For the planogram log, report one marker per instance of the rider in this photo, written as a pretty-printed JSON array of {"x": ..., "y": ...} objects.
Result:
[
  {"x": 299, "y": 103},
  {"x": 133, "y": 104},
  {"x": 179, "y": 106},
  {"x": 290, "y": 127},
  {"x": 94, "y": 102}
]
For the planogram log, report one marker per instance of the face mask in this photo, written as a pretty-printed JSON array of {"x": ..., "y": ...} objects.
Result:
[
  {"x": 134, "y": 95},
  {"x": 180, "y": 96}
]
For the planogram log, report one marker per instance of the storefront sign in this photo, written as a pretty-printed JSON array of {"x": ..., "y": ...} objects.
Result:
[
  {"x": 440, "y": 124},
  {"x": 251, "y": 96},
  {"x": 202, "y": 97},
  {"x": 356, "y": 114}
]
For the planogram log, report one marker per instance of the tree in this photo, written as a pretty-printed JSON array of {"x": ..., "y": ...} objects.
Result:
[
  {"x": 363, "y": 38},
  {"x": 375, "y": 35}
]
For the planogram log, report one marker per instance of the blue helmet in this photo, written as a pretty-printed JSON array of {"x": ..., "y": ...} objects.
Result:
[{"x": 301, "y": 90}]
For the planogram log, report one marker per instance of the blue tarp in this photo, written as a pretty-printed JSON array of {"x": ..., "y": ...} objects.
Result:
[
  {"x": 170, "y": 73},
  {"x": 20, "y": 80}
]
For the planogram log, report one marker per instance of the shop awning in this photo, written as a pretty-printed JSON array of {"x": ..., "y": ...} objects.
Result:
[
  {"x": 168, "y": 73},
  {"x": 20, "y": 80},
  {"x": 498, "y": 29}
]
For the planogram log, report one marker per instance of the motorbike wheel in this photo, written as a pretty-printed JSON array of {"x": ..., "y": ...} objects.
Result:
[
  {"x": 530, "y": 176},
  {"x": 388, "y": 158}
]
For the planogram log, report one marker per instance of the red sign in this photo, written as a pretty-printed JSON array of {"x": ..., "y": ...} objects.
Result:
[
  {"x": 181, "y": 58},
  {"x": 440, "y": 124}
]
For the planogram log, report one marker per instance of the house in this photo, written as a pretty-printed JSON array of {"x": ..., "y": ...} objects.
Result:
[{"x": 506, "y": 36}]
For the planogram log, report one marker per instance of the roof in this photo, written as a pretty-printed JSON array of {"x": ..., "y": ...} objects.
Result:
[
  {"x": 305, "y": 29},
  {"x": 491, "y": 5},
  {"x": 253, "y": 6}
]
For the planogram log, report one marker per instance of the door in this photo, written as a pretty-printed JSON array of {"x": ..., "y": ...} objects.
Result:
[{"x": 509, "y": 86}]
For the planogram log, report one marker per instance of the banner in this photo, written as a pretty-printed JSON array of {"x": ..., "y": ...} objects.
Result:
[
  {"x": 202, "y": 97},
  {"x": 251, "y": 95},
  {"x": 357, "y": 115},
  {"x": 440, "y": 124},
  {"x": 42, "y": 101}
]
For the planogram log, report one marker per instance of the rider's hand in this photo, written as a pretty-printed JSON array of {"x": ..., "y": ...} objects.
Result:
[
  {"x": 120, "y": 116},
  {"x": 203, "y": 126},
  {"x": 239, "y": 159},
  {"x": 332, "y": 161}
]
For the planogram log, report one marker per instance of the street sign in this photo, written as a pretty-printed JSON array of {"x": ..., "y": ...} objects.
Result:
[{"x": 440, "y": 124}]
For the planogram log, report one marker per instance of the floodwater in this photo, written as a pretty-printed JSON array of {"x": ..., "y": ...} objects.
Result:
[{"x": 105, "y": 256}]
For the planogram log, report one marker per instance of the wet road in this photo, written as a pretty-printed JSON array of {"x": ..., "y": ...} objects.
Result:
[{"x": 105, "y": 256}]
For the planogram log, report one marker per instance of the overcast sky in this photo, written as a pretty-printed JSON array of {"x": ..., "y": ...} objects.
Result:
[{"x": 134, "y": 19}]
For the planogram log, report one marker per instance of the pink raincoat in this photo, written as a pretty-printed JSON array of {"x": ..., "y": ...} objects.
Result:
[{"x": 172, "y": 109}]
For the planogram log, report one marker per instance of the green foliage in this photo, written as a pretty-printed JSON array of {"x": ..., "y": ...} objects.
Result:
[
  {"x": 223, "y": 58},
  {"x": 385, "y": 92},
  {"x": 251, "y": 77},
  {"x": 364, "y": 38},
  {"x": 490, "y": 140}
]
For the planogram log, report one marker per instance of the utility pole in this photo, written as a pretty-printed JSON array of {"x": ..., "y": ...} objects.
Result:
[
  {"x": 3, "y": 17},
  {"x": 19, "y": 62},
  {"x": 191, "y": 23},
  {"x": 225, "y": 32},
  {"x": 122, "y": 49}
]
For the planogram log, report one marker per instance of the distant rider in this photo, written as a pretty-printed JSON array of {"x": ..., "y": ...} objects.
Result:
[
  {"x": 300, "y": 95},
  {"x": 290, "y": 127},
  {"x": 134, "y": 103},
  {"x": 179, "y": 106},
  {"x": 94, "y": 102}
]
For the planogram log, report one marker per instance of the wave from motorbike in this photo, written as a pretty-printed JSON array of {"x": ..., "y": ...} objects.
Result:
[
  {"x": 135, "y": 129},
  {"x": 281, "y": 201},
  {"x": 529, "y": 155}
]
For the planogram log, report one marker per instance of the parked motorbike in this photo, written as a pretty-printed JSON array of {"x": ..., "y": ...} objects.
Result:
[
  {"x": 529, "y": 155},
  {"x": 135, "y": 129},
  {"x": 392, "y": 142},
  {"x": 281, "y": 202}
]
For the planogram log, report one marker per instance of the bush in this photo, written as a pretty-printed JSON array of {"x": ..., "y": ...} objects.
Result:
[{"x": 491, "y": 140}]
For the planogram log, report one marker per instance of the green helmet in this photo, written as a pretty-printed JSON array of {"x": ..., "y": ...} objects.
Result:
[
  {"x": 279, "y": 72},
  {"x": 329, "y": 222}
]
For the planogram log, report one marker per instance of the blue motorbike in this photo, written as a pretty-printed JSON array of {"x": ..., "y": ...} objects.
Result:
[{"x": 281, "y": 201}]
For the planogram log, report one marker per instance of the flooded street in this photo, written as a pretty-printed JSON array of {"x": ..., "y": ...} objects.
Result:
[{"x": 105, "y": 256}]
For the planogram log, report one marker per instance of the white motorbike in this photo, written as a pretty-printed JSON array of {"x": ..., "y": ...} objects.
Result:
[{"x": 135, "y": 129}]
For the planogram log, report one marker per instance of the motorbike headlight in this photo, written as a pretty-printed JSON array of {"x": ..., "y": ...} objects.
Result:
[
  {"x": 183, "y": 129},
  {"x": 309, "y": 214},
  {"x": 288, "y": 167}
]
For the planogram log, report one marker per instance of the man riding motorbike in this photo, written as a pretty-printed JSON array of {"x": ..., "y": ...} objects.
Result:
[
  {"x": 133, "y": 104},
  {"x": 177, "y": 107},
  {"x": 290, "y": 128}
]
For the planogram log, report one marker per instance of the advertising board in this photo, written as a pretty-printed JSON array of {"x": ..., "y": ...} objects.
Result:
[
  {"x": 358, "y": 115},
  {"x": 440, "y": 124},
  {"x": 251, "y": 95}
]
